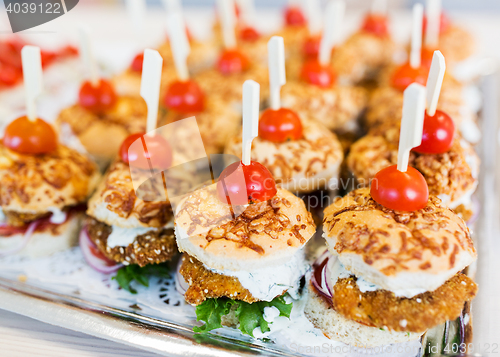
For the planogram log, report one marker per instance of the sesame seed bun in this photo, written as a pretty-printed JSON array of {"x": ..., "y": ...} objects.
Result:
[
  {"x": 264, "y": 234},
  {"x": 102, "y": 135},
  {"x": 337, "y": 327},
  {"x": 302, "y": 165},
  {"x": 37, "y": 183},
  {"x": 397, "y": 250},
  {"x": 115, "y": 201}
]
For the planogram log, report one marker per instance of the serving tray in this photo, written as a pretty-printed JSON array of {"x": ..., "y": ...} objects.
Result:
[{"x": 64, "y": 291}]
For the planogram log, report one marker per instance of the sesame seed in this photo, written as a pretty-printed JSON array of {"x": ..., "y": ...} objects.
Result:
[
  {"x": 464, "y": 283},
  {"x": 121, "y": 250},
  {"x": 403, "y": 323},
  {"x": 125, "y": 263},
  {"x": 419, "y": 300},
  {"x": 206, "y": 291}
]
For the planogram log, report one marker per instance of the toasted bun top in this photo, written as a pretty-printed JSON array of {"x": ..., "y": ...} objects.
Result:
[
  {"x": 426, "y": 247},
  {"x": 336, "y": 107},
  {"x": 115, "y": 201},
  {"x": 102, "y": 135},
  {"x": 265, "y": 233},
  {"x": 453, "y": 173},
  {"x": 35, "y": 183},
  {"x": 316, "y": 151}
]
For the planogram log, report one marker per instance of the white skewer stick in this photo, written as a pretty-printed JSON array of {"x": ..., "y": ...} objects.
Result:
[
  {"x": 179, "y": 44},
  {"x": 251, "y": 101},
  {"x": 379, "y": 7},
  {"x": 433, "y": 13},
  {"x": 150, "y": 86},
  {"x": 32, "y": 76},
  {"x": 313, "y": 13},
  {"x": 247, "y": 11},
  {"x": 412, "y": 123},
  {"x": 435, "y": 81},
  {"x": 416, "y": 35},
  {"x": 88, "y": 57},
  {"x": 334, "y": 15},
  {"x": 277, "y": 74},
  {"x": 227, "y": 15},
  {"x": 172, "y": 5},
  {"x": 137, "y": 12}
]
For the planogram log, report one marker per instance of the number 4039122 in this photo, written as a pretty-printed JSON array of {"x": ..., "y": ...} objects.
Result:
[{"x": 32, "y": 8}]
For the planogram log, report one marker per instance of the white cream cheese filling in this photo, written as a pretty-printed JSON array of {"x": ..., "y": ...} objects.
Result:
[
  {"x": 268, "y": 282},
  {"x": 338, "y": 271},
  {"x": 123, "y": 237}
]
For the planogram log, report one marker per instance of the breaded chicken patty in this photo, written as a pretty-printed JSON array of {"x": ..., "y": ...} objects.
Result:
[
  {"x": 205, "y": 284},
  {"x": 154, "y": 247},
  {"x": 382, "y": 309}
]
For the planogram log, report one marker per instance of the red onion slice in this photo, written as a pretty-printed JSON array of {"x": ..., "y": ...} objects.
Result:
[
  {"x": 27, "y": 236},
  {"x": 323, "y": 286},
  {"x": 476, "y": 207},
  {"x": 98, "y": 263}
]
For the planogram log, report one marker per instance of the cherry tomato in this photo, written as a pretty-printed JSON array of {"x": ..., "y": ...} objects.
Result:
[
  {"x": 185, "y": 97},
  {"x": 426, "y": 57},
  {"x": 27, "y": 137},
  {"x": 294, "y": 16},
  {"x": 158, "y": 152},
  {"x": 400, "y": 191},
  {"x": 136, "y": 64},
  {"x": 310, "y": 48},
  {"x": 406, "y": 75},
  {"x": 443, "y": 26},
  {"x": 438, "y": 134},
  {"x": 314, "y": 73},
  {"x": 280, "y": 125},
  {"x": 376, "y": 25},
  {"x": 249, "y": 34},
  {"x": 241, "y": 184},
  {"x": 97, "y": 98},
  {"x": 232, "y": 61}
]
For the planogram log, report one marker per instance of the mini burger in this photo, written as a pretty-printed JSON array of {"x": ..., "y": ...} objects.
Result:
[
  {"x": 451, "y": 175},
  {"x": 243, "y": 267},
  {"x": 304, "y": 159},
  {"x": 43, "y": 191},
  {"x": 388, "y": 276},
  {"x": 101, "y": 120},
  {"x": 127, "y": 226}
]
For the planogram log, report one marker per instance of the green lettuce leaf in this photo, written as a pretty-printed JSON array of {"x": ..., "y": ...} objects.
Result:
[
  {"x": 249, "y": 316},
  {"x": 126, "y": 275}
]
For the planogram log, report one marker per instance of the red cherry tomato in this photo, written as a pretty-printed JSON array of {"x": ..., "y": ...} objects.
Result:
[
  {"x": 241, "y": 184},
  {"x": 443, "y": 26},
  {"x": 376, "y": 25},
  {"x": 158, "y": 152},
  {"x": 438, "y": 134},
  {"x": 406, "y": 75},
  {"x": 27, "y": 137},
  {"x": 185, "y": 97},
  {"x": 310, "y": 48},
  {"x": 400, "y": 191},
  {"x": 97, "y": 98},
  {"x": 136, "y": 64},
  {"x": 249, "y": 34},
  {"x": 294, "y": 16},
  {"x": 426, "y": 57},
  {"x": 232, "y": 61},
  {"x": 280, "y": 125},
  {"x": 314, "y": 73}
]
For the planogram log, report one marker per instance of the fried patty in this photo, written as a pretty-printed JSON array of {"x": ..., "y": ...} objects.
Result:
[
  {"x": 205, "y": 284},
  {"x": 19, "y": 219},
  {"x": 382, "y": 309},
  {"x": 154, "y": 247}
]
